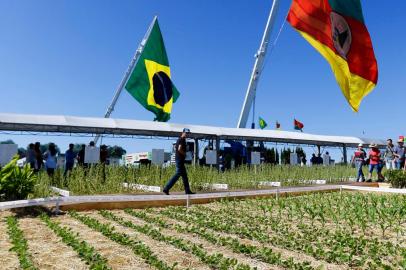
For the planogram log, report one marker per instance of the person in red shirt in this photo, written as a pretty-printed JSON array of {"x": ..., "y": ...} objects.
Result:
[
  {"x": 374, "y": 159},
  {"x": 358, "y": 160}
]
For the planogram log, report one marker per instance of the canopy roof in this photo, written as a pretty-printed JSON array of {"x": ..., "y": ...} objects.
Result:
[{"x": 91, "y": 125}]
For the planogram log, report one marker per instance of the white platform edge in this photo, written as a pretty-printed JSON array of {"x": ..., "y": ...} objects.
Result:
[
  {"x": 385, "y": 190},
  {"x": 230, "y": 194},
  {"x": 135, "y": 198}
]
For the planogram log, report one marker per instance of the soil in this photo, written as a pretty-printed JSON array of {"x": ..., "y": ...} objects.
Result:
[
  {"x": 208, "y": 247},
  {"x": 8, "y": 259},
  {"x": 164, "y": 252},
  {"x": 47, "y": 249},
  {"x": 118, "y": 257},
  {"x": 285, "y": 254}
]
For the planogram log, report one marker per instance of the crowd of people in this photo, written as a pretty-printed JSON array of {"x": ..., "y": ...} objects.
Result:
[
  {"x": 393, "y": 158},
  {"x": 47, "y": 160},
  {"x": 319, "y": 160}
]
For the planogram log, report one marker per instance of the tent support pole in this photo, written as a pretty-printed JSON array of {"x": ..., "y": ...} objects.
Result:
[
  {"x": 345, "y": 154},
  {"x": 196, "y": 152}
]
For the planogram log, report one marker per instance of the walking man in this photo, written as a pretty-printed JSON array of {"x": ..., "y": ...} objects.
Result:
[
  {"x": 359, "y": 160},
  {"x": 180, "y": 156}
]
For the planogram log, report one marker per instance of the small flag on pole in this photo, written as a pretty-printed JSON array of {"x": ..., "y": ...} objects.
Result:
[
  {"x": 278, "y": 125},
  {"x": 262, "y": 123},
  {"x": 150, "y": 82},
  {"x": 298, "y": 125}
]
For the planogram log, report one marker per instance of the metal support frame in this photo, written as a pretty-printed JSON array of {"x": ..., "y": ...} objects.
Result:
[
  {"x": 345, "y": 159},
  {"x": 196, "y": 152},
  {"x": 258, "y": 66},
  {"x": 127, "y": 74},
  {"x": 217, "y": 152}
]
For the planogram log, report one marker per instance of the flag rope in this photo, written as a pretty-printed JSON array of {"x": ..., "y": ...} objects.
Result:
[{"x": 272, "y": 46}]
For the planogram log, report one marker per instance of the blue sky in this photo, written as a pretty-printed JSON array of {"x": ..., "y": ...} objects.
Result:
[{"x": 67, "y": 57}]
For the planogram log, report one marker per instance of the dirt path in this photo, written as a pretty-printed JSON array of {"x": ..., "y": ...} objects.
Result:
[
  {"x": 47, "y": 249},
  {"x": 208, "y": 247},
  {"x": 164, "y": 252},
  {"x": 8, "y": 259},
  {"x": 285, "y": 254},
  {"x": 118, "y": 257}
]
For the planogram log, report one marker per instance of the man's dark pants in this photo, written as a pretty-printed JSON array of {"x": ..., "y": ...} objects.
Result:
[
  {"x": 180, "y": 171},
  {"x": 68, "y": 167}
]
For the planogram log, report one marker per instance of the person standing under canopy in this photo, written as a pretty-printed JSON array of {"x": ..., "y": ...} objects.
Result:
[
  {"x": 399, "y": 152},
  {"x": 70, "y": 156},
  {"x": 374, "y": 159},
  {"x": 359, "y": 160},
  {"x": 389, "y": 155},
  {"x": 180, "y": 164}
]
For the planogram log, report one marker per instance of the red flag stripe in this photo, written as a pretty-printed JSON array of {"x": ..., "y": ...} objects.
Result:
[{"x": 315, "y": 21}]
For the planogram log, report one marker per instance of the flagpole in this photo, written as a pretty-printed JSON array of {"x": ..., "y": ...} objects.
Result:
[
  {"x": 127, "y": 74},
  {"x": 258, "y": 66}
]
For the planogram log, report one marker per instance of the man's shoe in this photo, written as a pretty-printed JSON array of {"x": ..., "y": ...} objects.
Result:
[
  {"x": 165, "y": 191},
  {"x": 190, "y": 193},
  {"x": 369, "y": 180}
]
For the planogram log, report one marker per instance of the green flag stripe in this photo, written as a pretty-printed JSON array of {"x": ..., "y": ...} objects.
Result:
[{"x": 350, "y": 8}]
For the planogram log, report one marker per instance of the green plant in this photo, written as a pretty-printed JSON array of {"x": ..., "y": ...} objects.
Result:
[
  {"x": 264, "y": 254},
  {"x": 397, "y": 178},
  {"x": 137, "y": 246},
  {"x": 19, "y": 244},
  {"x": 216, "y": 260},
  {"x": 84, "y": 250},
  {"x": 16, "y": 183}
]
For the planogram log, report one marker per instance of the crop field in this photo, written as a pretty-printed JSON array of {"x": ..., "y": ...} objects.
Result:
[
  {"x": 347, "y": 230},
  {"x": 109, "y": 180}
]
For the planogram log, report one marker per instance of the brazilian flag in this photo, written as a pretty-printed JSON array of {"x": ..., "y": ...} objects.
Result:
[
  {"x": 262, "y": 123},
  {"x": 150, "y": 82}
]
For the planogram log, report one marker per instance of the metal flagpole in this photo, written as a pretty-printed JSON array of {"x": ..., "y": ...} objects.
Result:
[
  {"x": 127, "y": 74},
  {"x": 258, "y": 66}
]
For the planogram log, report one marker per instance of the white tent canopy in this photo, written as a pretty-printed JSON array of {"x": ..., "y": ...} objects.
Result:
[{"x": 91, "y": 125}]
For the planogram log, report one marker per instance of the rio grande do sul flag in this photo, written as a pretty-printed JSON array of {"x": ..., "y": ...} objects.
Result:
[
  {"x": 336, "y": 29},
  {"x": 150, "y": 82}
]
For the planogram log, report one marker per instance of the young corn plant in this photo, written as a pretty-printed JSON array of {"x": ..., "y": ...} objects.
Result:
[{"x": 20, "y": 245}]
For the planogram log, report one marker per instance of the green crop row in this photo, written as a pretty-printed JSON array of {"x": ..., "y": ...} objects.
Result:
[
  {"x": 83, "y": 249},
  {"x": 264, "y": 254},
  {"x": 139, "y": 248},
  {"x": 19, "y": 244},
  {"x": 215, "y": 261}
]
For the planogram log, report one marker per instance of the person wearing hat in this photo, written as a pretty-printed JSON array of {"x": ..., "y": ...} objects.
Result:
[
  {"x": 359, "y": 160},
  {"x": 399, "y": 153},
  {"x": 374, "y": 159},
  {"x": 180, "y": 156}
]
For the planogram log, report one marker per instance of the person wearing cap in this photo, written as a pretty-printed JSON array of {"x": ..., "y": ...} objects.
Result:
[
  {"x": 180, "y": 156},
  {"x": 399, "y": 153},
  {"x": 359, "y": 160},
  {"x": 389, "y": 155},
  {"x": 374, "y": 159}
]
